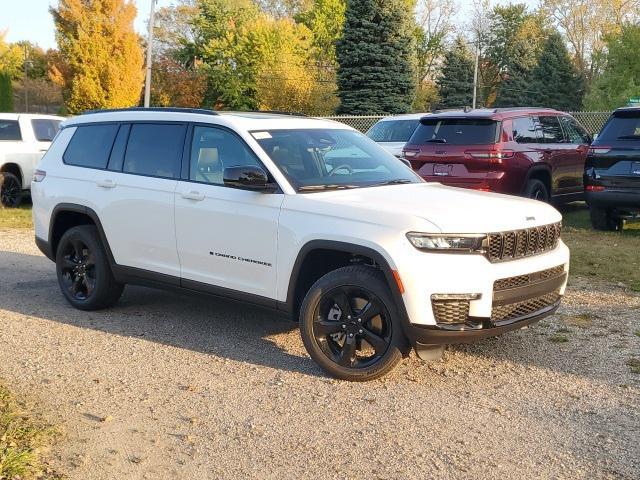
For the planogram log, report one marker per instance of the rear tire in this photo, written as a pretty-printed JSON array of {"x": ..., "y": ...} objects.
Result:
[
  {"x": 10, "y": 190},
  {"x": 537, "y": 190},
  {"x": 84, "y": 274},
  {"x": 350, "y": 325},
  {"x": 602, "y": 219}
]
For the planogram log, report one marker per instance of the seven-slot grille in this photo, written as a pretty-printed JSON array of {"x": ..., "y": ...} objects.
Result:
[{"x": 523, "y": 243}]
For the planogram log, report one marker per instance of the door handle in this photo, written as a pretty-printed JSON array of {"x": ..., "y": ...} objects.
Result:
[
  {"x": 106, "y": 183},
  {"x": 193, "y": 195}
]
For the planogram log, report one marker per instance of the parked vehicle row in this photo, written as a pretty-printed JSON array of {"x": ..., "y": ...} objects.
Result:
[
  {"x": 23, "y": 140},
  {"x": 304, "y": 216}
]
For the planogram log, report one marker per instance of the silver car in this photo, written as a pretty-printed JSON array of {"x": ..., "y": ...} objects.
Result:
[{"x": 391, "y": 133}]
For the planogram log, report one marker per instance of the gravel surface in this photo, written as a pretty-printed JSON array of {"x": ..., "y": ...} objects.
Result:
[{"x": 171, "y": 386}]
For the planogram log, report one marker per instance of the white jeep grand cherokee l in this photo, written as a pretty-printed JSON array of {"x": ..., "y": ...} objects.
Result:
[{"x": 305, "y": 216}]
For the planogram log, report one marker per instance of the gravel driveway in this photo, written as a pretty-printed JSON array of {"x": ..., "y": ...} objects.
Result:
[{"x": 169, "y": 386}]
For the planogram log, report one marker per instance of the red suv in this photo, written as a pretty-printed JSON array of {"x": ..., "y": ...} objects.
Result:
[{"x": 535, "y": 152}]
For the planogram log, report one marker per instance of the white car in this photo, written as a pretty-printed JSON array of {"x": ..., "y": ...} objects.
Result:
[
  {"x": 24, "y": 138},
  {"x": 392, "y": 133},
  {"x": 257, "y": 207}
]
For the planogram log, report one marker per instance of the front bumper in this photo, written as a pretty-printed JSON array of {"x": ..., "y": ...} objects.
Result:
[{"x": 497, "y": 309}]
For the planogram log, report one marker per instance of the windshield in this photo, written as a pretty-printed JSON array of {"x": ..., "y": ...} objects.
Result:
[
  {"x": 455, "y": 131},
  {"x": 321, "y": 159},
  {"x": 622, "y": 126},
  {"x": 393, "y": 130}
]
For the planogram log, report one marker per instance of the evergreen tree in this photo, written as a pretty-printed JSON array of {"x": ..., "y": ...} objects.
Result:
[
  {"x": 555, "y": 82},
  {"x": 376, "y": 58},
  {"x": 455, "y": 84},
  {"x": 6, "y": 93},
  {"x": 101, "y": 58}
]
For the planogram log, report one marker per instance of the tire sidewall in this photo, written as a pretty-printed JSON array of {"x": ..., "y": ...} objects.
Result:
[
  {"x": 532, "y": 186},
  {"x": 372, "y": 281},
  {"x": 6, "y": 178},
  {"x": 89, "y": 236}
]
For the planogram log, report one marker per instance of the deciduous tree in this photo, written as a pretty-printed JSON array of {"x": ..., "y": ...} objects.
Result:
[{"x": 101, "y": 54}]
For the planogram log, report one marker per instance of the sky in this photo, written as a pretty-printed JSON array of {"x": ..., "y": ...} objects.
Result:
[{"x": 30, "y": 19}]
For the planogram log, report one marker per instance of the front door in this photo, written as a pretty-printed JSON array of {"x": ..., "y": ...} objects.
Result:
[{"x": 226, "y": 237}]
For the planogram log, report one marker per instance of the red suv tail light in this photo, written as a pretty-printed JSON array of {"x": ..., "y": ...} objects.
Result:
[
  {"x": 493, "y": 156},
  {"x": 594, "y": 188},
  {"x": 599, "y": 150}
]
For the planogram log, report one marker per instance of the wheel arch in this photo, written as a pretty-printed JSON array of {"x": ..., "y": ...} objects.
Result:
[
  {"x": 542, "y": 173},
  {"x": 68, "y": 215},
  {"x": 15, "y": 169},
  {"x": 303, "y": 274}
]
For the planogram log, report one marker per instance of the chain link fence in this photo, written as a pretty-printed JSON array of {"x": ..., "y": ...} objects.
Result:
[{"x": 592, "y": 121}]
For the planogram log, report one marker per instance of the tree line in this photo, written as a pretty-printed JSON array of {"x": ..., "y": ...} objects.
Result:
[{"x": 332, "y": 56}]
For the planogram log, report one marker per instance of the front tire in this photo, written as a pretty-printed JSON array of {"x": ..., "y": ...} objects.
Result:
[
  {"x": 537, "y": 190},
  {"x": 602, "y": 219},
  {"x": 350, "y": 325},
  {"x": 84, "y": 274},
  {"x": 10, "y": 190}
]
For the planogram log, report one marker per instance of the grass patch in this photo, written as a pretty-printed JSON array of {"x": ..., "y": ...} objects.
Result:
[
  {"x": 637, "y": 333},
  {"x": 16, "y": 218},
  {"x": 558, "y": 338},
  {"x": 634, "y": 365},
  {"x": 611, "y": 256},
  {"x": 23, "y": 440}
]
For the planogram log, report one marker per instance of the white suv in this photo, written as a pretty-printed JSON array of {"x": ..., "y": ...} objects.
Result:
[
  {"x": 24, "y": 138},
  {"x": 265, "y": 209}
]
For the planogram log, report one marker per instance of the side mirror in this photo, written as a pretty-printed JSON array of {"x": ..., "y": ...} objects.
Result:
[{"x": 248, "y": 178}]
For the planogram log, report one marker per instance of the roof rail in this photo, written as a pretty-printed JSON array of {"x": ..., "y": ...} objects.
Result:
[
  {"x": 515, "y": 109},
  {"x": 272, "y": 112},
  {"x": 201, "y": 111}
]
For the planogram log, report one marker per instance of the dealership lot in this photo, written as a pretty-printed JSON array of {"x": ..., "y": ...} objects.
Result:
[{"x": 164, "y": 385}]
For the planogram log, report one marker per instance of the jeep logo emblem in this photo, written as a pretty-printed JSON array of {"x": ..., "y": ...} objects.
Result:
[{"x": 530, "y": 219}]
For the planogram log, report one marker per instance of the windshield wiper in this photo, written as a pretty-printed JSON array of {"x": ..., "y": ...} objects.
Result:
[
  {"x": 629, "y": 137},
  {"x": 316, "y": 188},
  {"x": 396, "y": 181},
  {"x": 436, "y": 140}
]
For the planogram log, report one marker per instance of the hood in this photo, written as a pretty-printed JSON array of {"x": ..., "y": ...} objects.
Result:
[
  {"x": 452, "y": 210},
  {"x": 394, "y": 148}
]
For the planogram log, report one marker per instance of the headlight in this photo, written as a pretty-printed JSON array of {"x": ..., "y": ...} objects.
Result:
[{"x": 471, "y": 243}]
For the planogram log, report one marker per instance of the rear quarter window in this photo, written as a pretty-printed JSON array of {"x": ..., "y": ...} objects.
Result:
[
  {"x": 10, "y": 130},
  {"x": 90, "y": 146},
  {"x": 455, "y": 131},
  {"x": 392, "y": 130}
]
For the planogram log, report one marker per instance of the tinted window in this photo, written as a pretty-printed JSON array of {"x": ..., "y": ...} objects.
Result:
[
  {"x": 550, "y": 130},
  {"x": 524, "y": 130},
  {"x": 117, "y": 152},
  {"x": 393, "y": 130},
  {"x": 90, "y": 146},
  {"x": 573, "y": 131},
  {"x": 622, "y": 126},
  {"x": 45, "y": 129},
  {"x": 154, "y": 149},
  {"x": 10, "y": 130},
  {"x": 455, "y": 131},
  {"x": 214, "y": 149}
]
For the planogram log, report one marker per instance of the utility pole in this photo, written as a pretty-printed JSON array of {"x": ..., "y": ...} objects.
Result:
[
  {"x": 475, "y": 74},
  {"x": 147, "y": 83},
  {"x": 24, "y": 82}
]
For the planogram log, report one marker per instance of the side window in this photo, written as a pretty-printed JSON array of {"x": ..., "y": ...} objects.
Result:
[
  {"x": 524, "y": 130},
  {"x": 154, "y": 150},
  {"x": 45, "y": 129},
  {"x": 551, "y": 130},
  {"x": 90, "y": 146},
  {"x": 10, "y": 130},
  {"x": 116, "y": 159},
  {"x": 575, "y": 133},
  {"x": 214, "y": 149}
]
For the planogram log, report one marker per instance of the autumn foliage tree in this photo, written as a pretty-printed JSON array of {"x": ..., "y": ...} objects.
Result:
[{"x": 102, "y": 60}]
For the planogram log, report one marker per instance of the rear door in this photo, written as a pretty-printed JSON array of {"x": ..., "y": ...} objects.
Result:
[
  {"x": 559, "y": 154},
  {"x": 579, "y": 139}
]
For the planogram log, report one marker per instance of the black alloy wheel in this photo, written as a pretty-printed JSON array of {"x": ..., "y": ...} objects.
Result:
[
  {"x": 537, "y": 190},
  {"x": 352, "y": 327},
  {"x": 78, "y": 269},
  {"x": 10, "y": 190}
]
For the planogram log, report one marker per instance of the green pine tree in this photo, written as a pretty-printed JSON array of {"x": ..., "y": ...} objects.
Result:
[
  {"x": 376, "y": 58},
  {"x": 6, "y": 93},
  {"x": 555, "y": 82},
  {"x": 455, "y": 84}
]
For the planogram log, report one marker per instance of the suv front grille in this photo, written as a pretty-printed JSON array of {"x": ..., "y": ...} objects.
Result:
[
  {"x": 523, "y": 280},
  {"x": 510, "y": 311},
  {"x": 523, "y": 243},
  {"x": 450, "y": 311}
]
